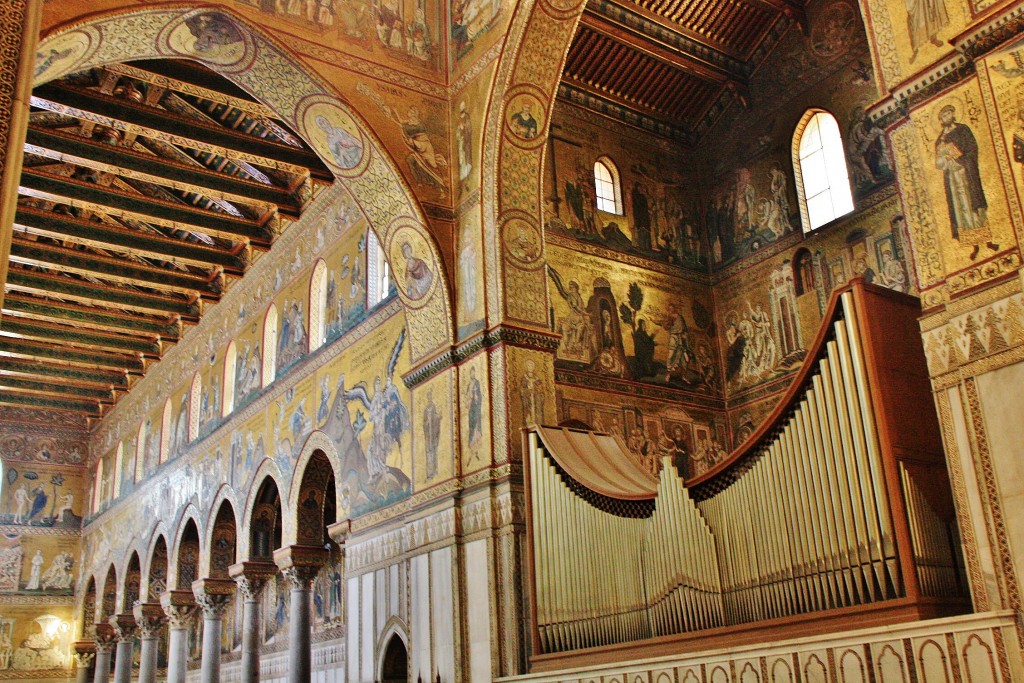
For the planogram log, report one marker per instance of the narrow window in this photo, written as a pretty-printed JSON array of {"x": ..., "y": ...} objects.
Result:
[
  {"x": 607, "y": 186},
  {"x": 377, "y": 271},
  {"x": 228, "y": 380},
  {"x": 194, "y": 404},
  {"x": 823, "y": 181},
  {"x": 269, "y": 373},
  {"x": 317, "y": 305}
]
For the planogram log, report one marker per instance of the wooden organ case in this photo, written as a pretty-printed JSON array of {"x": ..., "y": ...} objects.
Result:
[{"x": 836, "y": 513}]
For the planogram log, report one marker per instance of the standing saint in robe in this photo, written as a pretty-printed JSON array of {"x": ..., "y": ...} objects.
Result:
[{"x": 956, "y": 155}]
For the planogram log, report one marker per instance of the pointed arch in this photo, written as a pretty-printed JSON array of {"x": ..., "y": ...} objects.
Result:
[
  {"x": 140, "y": 450},
  {"x": 312, "y": 108},
  {"x": 157, "y": 566},
  {"x": 227, "y": 404},
  {"x": 194, "y": 403},
  {"x": 316, "y": 505},
  {"x": 118, "y": 464},
  {"x": 270, "y": 327},
  {"x": 265, "y": 520},
  {"x": 107, "y": 606},
  {"x": 221, "y": 539},
  {"x": 317, "y": 305},
  {"x": 395, "y": 635},
  {"x": 819, "y": 167},
  {"x": 132, "y": 583},
  {"x": 317, "y": 441},
  {"x": 165, "y": 433},
  {"x": 608, "y": 186},
  {"x": 185, "y": 553},
  {"x": 88, "y": 609}
]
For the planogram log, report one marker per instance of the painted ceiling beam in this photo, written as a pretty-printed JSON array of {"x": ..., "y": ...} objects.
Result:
[
  {"x": 118, "y": 202},
  {"x": 55, "y": 390},
  {"x": 128, "y": 163},
  {"x": 114, "y": 380},
  {"x": 115, "y": 269},
  {"x": 95, "y": 317},
  {"x": 87, "y": 292},
  {"x": 178, "y": 76},
  {"x": 131, "y": 364},
  {"x": 67, "y": 334},
  {"x": 27, "y": 401},
  {"x": 105, "y": 236},
  {"x": 139, "y": 119},
  {"x": 653, "y": 34}
]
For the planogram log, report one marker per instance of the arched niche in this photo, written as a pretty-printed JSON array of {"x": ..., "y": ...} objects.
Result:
[
  {"x": 223, "y": 541},
  {"x": 187, "y": 558},
  {"x": 265, "y": 521},
  {"x": 108, "y": 599},
  {"x": 270, "y": 326},
  {"x": 132, "y": 584},
  {"x": 156, "y": 580},
  {"x": 316, "y": 507}
]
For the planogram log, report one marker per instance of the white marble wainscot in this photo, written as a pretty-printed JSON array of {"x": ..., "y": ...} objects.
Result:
[
  {"x": 974, "y": 648},
  {"x": 328, "y": 665}
]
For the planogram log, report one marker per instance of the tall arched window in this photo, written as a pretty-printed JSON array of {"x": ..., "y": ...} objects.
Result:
[
  {"x": 822, "y": 179},
  {"x": 607, "y": 187},
  {"x": 378, "y": 272},
  {"x": 317, "y": 305},
  {"x": 228, "y": 381},
  {"x": 118, "y": 464},
  {"x": 165, "y": 432},
  {"x": 194, "y": 404},
  {"x": 269, "y": 347}
]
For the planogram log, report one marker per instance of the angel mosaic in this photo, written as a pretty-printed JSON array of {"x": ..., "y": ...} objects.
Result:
[{"x": 388, "y": 414}]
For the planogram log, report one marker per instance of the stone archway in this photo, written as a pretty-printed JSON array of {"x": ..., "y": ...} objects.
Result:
[
  {"x": 257, "y": 64},
  {"x": 394, "y": 662}
]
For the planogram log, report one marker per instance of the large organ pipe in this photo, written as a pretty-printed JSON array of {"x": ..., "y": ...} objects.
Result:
[{"x": 824, "y": 509}]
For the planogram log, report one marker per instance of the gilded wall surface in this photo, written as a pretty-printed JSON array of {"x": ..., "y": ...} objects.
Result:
[{"x": 44, "y": 495}]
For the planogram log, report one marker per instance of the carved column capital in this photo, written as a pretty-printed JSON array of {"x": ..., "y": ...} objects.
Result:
[
  {"x": 179, "y": 606},
  {"x": 125, "y": 628},
  {"x": 105, "y": 638},
  {"x": 84, "y": 653},
  {"x": 83, "y": 660},
  {"x": 250, "y": 577},
  {"x": 150, "y": 617},
  {"x": 213, "y": 595},
  {"x": 299, "y": 564}
]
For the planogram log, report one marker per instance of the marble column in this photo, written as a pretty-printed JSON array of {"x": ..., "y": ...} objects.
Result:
[
  {"x": 213, "y": 596},
  {"x": 151, "y": 619},
  {"x": 125, "y": 630},
  {"x": 251, "y": 577},
  {"x": 105, "y": 642},
  {"x": 85, "y": 654},
  {"x": 180, "y": 608},
  {"x": 299, "y": 565}
]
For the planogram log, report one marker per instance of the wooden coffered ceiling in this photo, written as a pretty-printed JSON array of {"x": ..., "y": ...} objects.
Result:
[
  {"x": 146, "y": 188},
  {"x": 671, "y": 66}
]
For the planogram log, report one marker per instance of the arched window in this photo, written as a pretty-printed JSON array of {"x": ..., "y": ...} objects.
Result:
[
  {"x": 228, "y": 381},
  {"x": 822, "y": 179},
  {"x": 607, "y": 187},
  {"x": 118, "y": 464},
  {"x": 269, "y": 347},
  {"x": 317, "y": 305},
  {"x": 165, "y": 433},
  {"x": 378, "y": 273},
  {"x": 194, "y": 404},
  {"x": 97, "y": 487}
]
